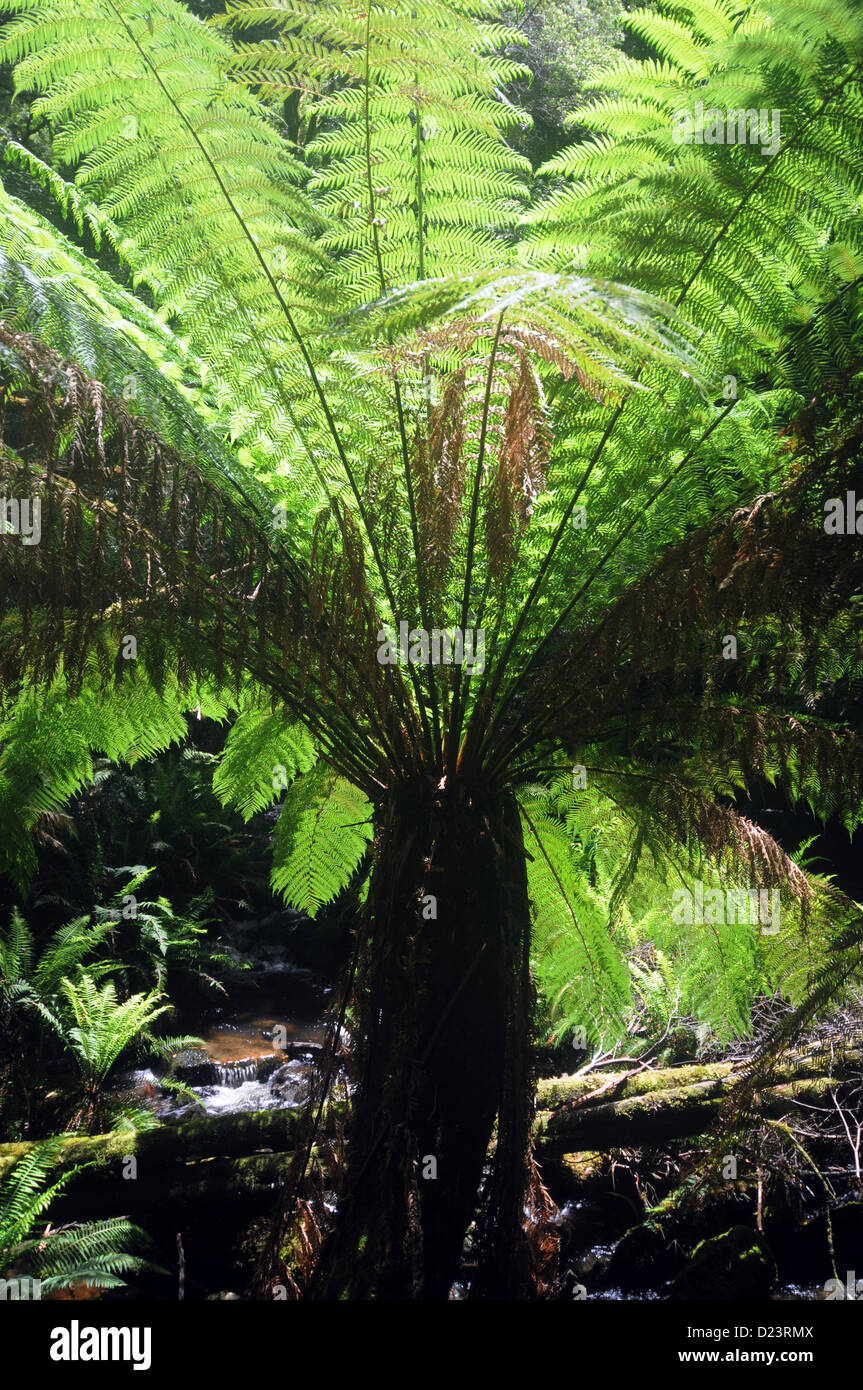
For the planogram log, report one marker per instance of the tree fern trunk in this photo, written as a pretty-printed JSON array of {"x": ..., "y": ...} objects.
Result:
[{"x": 443, "y": 1021}]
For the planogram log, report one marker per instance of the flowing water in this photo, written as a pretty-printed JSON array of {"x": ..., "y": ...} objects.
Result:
[{"x": 257, "y": 1050}]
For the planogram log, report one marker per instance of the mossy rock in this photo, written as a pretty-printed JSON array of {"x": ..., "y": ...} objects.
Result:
[
  {"x": 188, "y": 1057},
  {"x": 193, "y": 1067},
  {"x": 736, "y": 1265}
]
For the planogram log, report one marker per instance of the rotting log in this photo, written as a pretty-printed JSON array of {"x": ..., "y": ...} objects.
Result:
[
  {"x": 659, "y": 1116},
  {"x": 611, "y": 1086},
  {"x": 216, "y": 1136}
]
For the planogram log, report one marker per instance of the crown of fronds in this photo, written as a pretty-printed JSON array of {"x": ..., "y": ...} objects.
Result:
[{"x": 469, "y": 422}]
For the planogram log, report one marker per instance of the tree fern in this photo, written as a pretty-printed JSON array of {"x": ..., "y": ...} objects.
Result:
[
  {"x": 410, "y": 163},
  {"x": 48, "y": 745},
  {"x": 609, "y": 479}
]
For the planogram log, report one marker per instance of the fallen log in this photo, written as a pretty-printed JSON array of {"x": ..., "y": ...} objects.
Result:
[
  {"x": 659, "y": 1116},
  {"x": 556, "y": 1091},
  {"x": 210, "y": 1136},
  {"x": 578, "y": 1115},
  {"x": 608, "y": 1086}
]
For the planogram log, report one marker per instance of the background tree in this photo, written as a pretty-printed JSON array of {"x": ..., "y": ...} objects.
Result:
[{"x": 566, "y": 43}]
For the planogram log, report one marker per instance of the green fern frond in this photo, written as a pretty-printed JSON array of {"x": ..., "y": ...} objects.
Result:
[
  {"x": 322, "y": 835},
  {"x": 261, "y": 756}
]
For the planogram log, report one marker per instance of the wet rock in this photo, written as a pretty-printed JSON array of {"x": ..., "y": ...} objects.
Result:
[
  {"x": 204, "y": 1071},
  {"x": 193, "y": 1068},
  {"x": 286, "y": 955},
  {"x": 591, "y": 1262},
  {"x": 291, "y": 1082},
  {"x": 736, "y": 1265},
  {"x": 266, "y": 1066},
  {"x": 237, "y": 1071},
  {"x": 305, "y": 1051}
]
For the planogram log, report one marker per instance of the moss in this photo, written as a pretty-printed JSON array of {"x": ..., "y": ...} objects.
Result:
[
  {"x": 554, "y": 1092},
  {"x": 560, "y": 1090},
  {"x": 225, "y": 1135},
  {"x": 736, "y": 1265},
  {"x": 582, "y": 1167}
]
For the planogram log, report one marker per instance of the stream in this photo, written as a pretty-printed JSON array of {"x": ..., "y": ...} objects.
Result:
[{"x": 259, "y": 1044}]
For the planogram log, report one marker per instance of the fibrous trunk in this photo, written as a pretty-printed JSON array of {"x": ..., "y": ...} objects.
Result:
[{"x": 442, "y": 1021}]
